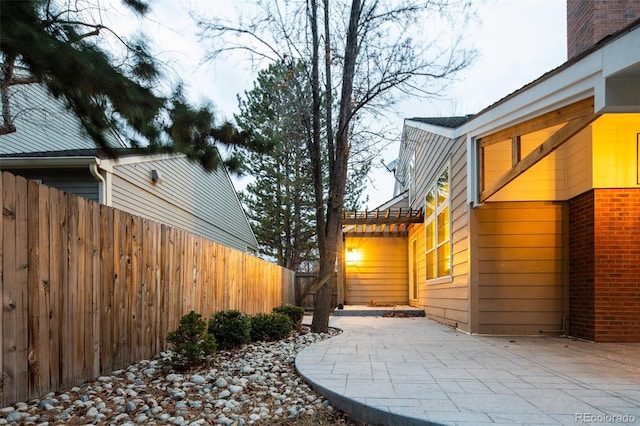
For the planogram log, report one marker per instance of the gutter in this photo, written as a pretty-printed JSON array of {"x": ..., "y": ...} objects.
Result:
[
  {"x": 46, "y": 162},
  {"x": 94, "y": 169}
]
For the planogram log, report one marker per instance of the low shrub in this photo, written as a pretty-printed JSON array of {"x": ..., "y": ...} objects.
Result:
[
  {"x": 231, "y": 329},
  {"x": 270, "y": 327},
  {"x": 191, "y": 343},
  {"x": 296, "y": 313}
]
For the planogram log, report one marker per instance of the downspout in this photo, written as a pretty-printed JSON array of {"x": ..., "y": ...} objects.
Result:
[{"x": 102, "y": 183}]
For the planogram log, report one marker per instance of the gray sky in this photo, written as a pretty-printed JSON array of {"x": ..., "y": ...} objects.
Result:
[{"x": 518, "y": 41}]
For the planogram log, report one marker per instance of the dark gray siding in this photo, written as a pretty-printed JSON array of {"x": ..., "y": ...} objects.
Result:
[{"x": 74, "y": 181}]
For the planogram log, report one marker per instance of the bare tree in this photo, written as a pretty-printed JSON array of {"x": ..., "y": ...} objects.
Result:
[{"x": 363, "y": 54}]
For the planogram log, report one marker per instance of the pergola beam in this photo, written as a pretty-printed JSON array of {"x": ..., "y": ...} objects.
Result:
[
  {"x": 547, "y": 147},
  {"x": 570, "y": 112}
]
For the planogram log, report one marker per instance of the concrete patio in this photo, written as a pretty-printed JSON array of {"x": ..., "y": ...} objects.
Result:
[{"x": 415, "y": 371}]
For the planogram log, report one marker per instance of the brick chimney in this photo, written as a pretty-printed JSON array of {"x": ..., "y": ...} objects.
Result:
[{"x": 588, "y": 21}]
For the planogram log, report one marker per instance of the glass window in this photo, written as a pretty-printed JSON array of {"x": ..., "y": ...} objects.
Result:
[{"x": 438, "y": 228}]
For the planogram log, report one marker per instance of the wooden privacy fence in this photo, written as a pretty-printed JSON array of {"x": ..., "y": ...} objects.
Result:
[{"x": 88, "y": 289}]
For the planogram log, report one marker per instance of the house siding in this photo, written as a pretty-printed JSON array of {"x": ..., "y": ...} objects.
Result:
[
  {"x": 445, "y": 299},
  {"x": 73, "y": 181},
  {"x": 186, "y": 197},
  {"x": 43, "y": 123},
  {"x": 380, "y": 273},
  {"x": 521, "y": 261}
]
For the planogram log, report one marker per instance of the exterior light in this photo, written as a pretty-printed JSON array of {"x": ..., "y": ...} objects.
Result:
[{"x": 352, "y": 256}]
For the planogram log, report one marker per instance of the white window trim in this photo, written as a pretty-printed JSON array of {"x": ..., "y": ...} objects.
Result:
[{"x": 434, "y": 184}]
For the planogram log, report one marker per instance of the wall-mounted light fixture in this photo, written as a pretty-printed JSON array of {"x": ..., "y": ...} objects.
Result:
[
  {"x": 352, "y": 256},
  {"x": 155, "y": 176}
]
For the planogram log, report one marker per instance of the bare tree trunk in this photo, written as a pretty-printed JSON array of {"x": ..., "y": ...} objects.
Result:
[{"x": 338, "y": 159}]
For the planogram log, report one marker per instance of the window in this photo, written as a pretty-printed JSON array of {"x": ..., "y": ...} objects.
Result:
[{"x": 438, "y": 228}]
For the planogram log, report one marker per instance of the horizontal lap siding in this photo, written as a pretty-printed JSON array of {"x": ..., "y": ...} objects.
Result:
[
  {"x": 79, "y": 182},
  {"x": 185, "y": 197},
  {"x": 445, "y": 300},
  {"x": 380, "y": 274},
  {"x": 521, "y": 265}
]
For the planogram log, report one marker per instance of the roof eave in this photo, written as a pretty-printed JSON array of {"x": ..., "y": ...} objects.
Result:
[
  {"x": 47, "y": 162},
  {"x": 577, "y": 79}
]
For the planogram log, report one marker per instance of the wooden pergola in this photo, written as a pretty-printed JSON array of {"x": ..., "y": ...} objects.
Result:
[
  {"x": 379, "y": 223},
  {"x": 391, "y": 222}
]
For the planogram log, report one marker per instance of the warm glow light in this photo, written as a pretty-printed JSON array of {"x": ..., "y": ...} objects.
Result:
[{"x": 352, "y": 256}]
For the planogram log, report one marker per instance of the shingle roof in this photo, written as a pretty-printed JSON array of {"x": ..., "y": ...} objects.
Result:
[
  {"x": 450, "y": 122},
  {"x": 453, "y": 122},
  {"x": 88, "y": 152}
]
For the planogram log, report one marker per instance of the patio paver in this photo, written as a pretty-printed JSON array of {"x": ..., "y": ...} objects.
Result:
[{"x": 415, "y": 371}]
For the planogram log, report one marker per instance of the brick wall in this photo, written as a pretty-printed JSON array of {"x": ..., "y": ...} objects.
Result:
[
  {"x": 604, "y": 251},
  {"x": 588, "y": 21},
  {"x": 617, "y": 264},
  {"x": 581, "y": 267}
]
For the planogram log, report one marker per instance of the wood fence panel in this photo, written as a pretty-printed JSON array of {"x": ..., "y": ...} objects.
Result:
[
  {"x": 57, "y": 277},
  {"x": 135, "y": 288},
  {"x": 196, "y": 299},
  {"x": 87, "y": 289},
  {"x": 72, "y": 308},
  {"x": 38, "y": 281},
  {"x": 167, "y": 267},
  {"x": 96, "y": 287},
  {"x": 155, "y": 333},
  {"x": 206, "y": 288},
  {"x": 120, "y": 323},
  {"x": 145, "y": 289},
  {"x": 219, "y": 278},
  {"x": 9, "y": 290},
  {"x": 2, "y": 240},
  {"x": 107, "y": 266},
  {"x": 126, "y": 320},
  {"x": 176, "y": 284},
  {"x": 22, "y": 289},
  {"x": 44, "y": 291}
]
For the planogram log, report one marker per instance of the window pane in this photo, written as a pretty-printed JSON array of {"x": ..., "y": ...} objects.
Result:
[
  {"x": 431, "y": 265},
  {"x": 443, "y": 225},
  {"x": 429, "y": 204},
  {"x": 430, "y": 235},
  {"x": 443, "y": 186},
  {"x": 444, "y": 260}
]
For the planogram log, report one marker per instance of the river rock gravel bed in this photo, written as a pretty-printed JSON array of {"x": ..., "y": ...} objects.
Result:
[{"x": 256, "y": 384}]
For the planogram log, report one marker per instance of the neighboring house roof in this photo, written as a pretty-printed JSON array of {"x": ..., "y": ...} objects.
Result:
[
  {"x": 50, "y": 145},
  {"x": 450, "y": 122},
  {"x": 612, "y": 60},
  {"x": 43, "y": 123}
]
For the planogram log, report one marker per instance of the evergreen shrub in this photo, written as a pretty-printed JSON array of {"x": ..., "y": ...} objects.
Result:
[
  {"x": 270, "y": 327},
  {"x": 296, "y": 313},
  {"x": 231, "y": 329},
  {"x": 191, "y": 343}
]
